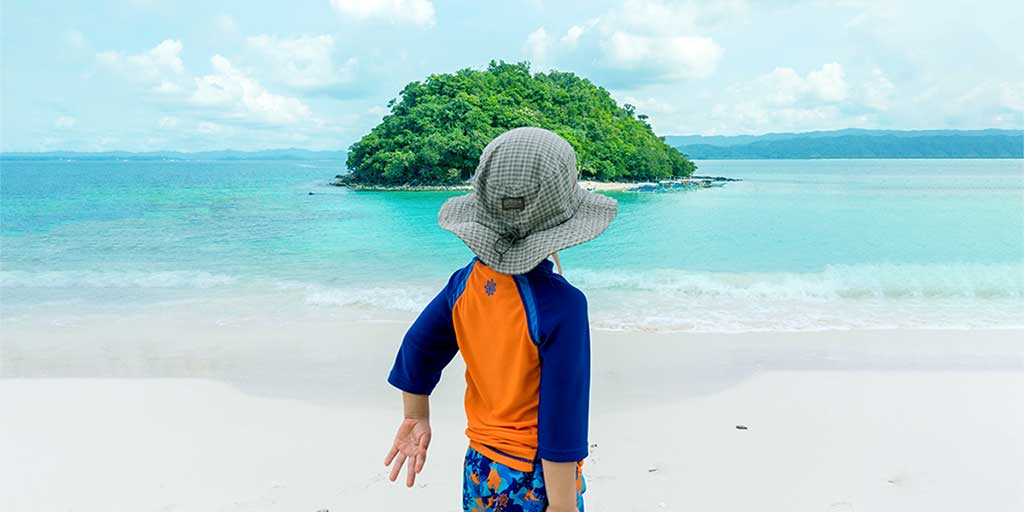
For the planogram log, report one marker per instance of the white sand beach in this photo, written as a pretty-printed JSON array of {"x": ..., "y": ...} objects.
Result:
[
  {"x": 186, "y": 409},
  {"x": 606, "y": 186}
]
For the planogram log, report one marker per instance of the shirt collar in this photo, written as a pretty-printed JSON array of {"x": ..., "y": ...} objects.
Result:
[{"x": 544, "y": 267}]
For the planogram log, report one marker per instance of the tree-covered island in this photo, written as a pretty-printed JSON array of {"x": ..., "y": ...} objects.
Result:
[{"x": 436, "y": 129}]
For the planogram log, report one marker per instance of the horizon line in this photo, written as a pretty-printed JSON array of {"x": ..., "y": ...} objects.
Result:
[{"x": 345, "y": 150}]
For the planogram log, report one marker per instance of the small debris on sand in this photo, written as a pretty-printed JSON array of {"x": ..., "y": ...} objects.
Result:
[{"x": 741, "y": 427}]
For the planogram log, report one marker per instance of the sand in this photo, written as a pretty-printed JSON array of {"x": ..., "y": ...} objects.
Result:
[
  {"x": 178, "y": 408},
  {"x": 606, "y": 186}
]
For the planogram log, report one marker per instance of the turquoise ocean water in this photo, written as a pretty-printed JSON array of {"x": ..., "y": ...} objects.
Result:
[{"x": 816, "y": 244}]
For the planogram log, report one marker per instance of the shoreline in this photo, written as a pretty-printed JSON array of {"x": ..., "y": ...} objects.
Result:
[
  {"x": 591, "y": 185},
  {"x": 632, "y": 313}
]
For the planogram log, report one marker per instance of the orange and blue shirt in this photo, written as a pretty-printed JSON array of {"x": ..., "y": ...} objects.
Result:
[{"x": 525, "y": 339}]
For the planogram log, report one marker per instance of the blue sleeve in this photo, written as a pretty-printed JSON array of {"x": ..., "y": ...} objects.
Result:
[
  {"x": 430, "y": 344},
  {"x": 563, "y": 414}
]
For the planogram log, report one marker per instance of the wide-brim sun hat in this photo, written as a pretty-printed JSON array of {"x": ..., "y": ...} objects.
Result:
[{"x": 526, "y": 202}]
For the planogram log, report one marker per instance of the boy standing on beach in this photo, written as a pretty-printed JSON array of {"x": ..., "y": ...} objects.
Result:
[{"x": 522, "y": 330}]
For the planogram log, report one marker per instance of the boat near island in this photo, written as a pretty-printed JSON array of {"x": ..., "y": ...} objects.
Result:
[
  {"x": 644, "y": 187},
  {"x": 681, "y": 184}
]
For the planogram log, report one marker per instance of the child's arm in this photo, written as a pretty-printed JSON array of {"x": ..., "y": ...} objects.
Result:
[
  {"x": 413, "y": 438},
  {"x": 560, "y": 484},
  {"x": 426, "y": 349},
  {"x": 563, "y": 411}
]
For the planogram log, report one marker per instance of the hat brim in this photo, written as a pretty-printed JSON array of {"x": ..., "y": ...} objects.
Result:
[{"x": 592, "y": 217}]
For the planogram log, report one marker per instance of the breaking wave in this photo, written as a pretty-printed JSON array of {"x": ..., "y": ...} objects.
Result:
[
  {"x": 866, "y": 281},
  {"x": 875, "y": 296},
  {"x": 113, "y": 279}
]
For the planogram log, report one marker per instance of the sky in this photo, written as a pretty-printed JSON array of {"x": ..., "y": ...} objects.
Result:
[{"x": 142, "y": 75}]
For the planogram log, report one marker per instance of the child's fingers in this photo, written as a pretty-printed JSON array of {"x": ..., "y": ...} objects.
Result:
[
  {"x": 422, "y": 459},
  {"x": 391, "y": 455},
  {"x": 410, "y": 473},
  {"x": 397, "y": 467}
]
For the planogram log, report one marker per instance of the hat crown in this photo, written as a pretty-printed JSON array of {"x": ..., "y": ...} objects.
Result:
[{"x": 526, "y": 182}]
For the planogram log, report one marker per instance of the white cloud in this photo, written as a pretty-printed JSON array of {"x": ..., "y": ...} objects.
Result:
[
  {"x": 658, "y": 16},
  {"x": 784, "y": 86},
  {"x": 416, "y": 12},
  {"x": 572, "y": 36},
  {"x": 226, "y": 93},
  {"x": 304, "y": 62},
  {"x": 536, "y": 47},
  {"x": 828, "y": 82},
  {"x": 64, "y": 122},
  {"x": 650, "y": 41},
  {"x": 159, "y": 64},
  {"x": 167, "y": 87},
  {"x": 673, "y": 57},
  {"x": 785, "y": 100},
  {"x": 231, "y": 89},
  {"x": 878, "y": 91},
  {"x": 1011, "y": 95},
  {"x": 999, "y": 102},
  {"x": 751, "y": 116}
]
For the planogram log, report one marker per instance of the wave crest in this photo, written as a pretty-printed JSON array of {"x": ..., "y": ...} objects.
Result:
[
  {"x": 113, "y": 279},
  {"x": 874, "y": 281}
]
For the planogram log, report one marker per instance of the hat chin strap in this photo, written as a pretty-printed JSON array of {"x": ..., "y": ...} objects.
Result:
[
  {"x": 505, "y": 242},
  {"x": 558, "y": 264}
]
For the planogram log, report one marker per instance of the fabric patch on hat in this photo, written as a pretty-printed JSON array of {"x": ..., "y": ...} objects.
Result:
[{"x": 513, "y": 203}]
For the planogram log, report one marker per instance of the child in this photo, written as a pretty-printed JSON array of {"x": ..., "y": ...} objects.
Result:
[{"x": 522, "y": 330}]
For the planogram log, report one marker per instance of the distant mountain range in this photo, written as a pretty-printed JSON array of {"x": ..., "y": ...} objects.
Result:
[
  {"x": 855, "y": 143},
  {"x": 267, "y": 154},
  {"x": 849, "y": 143}
]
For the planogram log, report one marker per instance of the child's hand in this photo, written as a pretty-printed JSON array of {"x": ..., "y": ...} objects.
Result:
[{"x": 411, "y": 443}]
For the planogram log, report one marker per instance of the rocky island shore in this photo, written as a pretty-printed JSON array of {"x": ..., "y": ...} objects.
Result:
[{"x": 343, "y": 180}]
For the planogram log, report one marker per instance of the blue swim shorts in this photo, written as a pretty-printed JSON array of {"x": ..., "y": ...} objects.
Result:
[{"x": 489, "y": 486}]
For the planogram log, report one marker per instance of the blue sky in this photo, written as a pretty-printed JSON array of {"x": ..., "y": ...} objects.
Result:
[{"x": 187, "y": 75}]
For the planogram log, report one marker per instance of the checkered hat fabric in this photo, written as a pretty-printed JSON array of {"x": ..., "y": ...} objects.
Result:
[{"x": 526, "y": 203}]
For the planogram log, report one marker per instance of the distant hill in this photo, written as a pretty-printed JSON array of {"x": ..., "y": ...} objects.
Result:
[
  {"x": 266, "y": 154},
  {"x": 848, "y": 143},
  {"x": 856, "y": 143}
]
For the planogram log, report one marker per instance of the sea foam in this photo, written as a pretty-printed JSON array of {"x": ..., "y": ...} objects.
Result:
[
  {"x": 892, "y": 281},
  {"x": 113, "y": 279}
]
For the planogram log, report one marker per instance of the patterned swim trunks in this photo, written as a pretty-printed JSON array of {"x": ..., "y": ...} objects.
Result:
[{"x": 489, "y": 486}]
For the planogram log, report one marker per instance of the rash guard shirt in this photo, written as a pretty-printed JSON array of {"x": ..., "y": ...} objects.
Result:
[{"x": 526, "y": 342}]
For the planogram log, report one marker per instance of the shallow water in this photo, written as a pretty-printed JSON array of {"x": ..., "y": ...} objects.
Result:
[{"x": 797, "y": 245}]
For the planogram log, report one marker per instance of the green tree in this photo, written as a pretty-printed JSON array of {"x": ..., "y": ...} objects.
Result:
[{"x": 437, "y": 128}]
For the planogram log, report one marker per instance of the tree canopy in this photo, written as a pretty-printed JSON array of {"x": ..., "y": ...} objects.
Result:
[{"x": 437, "y": 128}]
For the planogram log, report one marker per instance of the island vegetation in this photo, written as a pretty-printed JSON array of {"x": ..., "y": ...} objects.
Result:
[{"x": 437, "y": 128}]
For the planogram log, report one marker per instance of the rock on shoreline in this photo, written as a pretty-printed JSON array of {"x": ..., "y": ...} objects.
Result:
[{"x": 340, "y": 181}]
